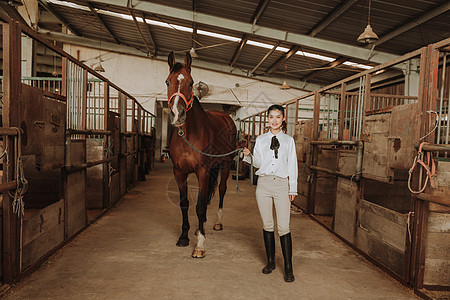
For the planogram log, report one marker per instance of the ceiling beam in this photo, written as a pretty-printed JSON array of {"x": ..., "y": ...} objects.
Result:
[
  {"x": 282, "y": 58},
  {"x": 123, "y": 49},
  {"x": 92, "y": 43},
  {"x": 262, "y": 5},
  {"x": 49, "y": 8},
  {"x": 264, "y": 58},
  {"x": 149, "y": 32},
  {"x": 13, "y": 13},
  {"x": 194, "y": 25},
  {"x": 277, "y": 34},
  {"x": 440, "y": 9},
  {"x": 149, "y": 49},
  {"x": 239, "y": 49},
  {"x": 326, "y": 67},
  {"x": 100, "y": 19},
  {"x": 336, "y": 13}
]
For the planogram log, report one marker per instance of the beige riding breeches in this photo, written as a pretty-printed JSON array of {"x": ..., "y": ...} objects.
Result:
[{"x": 270, "y": 191}]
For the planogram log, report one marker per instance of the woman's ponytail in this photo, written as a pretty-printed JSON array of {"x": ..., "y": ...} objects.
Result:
[{"x": 284, "y": 126}]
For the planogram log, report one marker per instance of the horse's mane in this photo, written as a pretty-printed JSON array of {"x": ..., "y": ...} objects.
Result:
[
  {"x": 177, "y": 67},
  {"x": 197, "y": 101}
]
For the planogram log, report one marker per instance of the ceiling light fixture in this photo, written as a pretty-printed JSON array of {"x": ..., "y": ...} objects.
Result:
[
  {"x": 285, "y": 86},
  {"x": 99, "y": 67},
  {"x": 54, "y": 73},
  {"x": 193, "y": 53},
  {"x": 368, "y": 36}
]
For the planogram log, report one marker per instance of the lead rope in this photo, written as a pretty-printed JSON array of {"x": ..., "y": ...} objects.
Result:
[
  {"x": 239, "y": 150},
  {"x": 22, "y": 184},
  {"x": 431, "y": 171}
]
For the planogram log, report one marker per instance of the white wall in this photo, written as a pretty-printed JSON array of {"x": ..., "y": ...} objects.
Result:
[{"x": 144, "y": 79}]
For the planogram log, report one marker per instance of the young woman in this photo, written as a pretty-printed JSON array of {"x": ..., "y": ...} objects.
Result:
[{"x": 275, "y": 157}]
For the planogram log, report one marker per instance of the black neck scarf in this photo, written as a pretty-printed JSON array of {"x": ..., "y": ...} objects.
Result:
[{"x": 275, "y": 145}]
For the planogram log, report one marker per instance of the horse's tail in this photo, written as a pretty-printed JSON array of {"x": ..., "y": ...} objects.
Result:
[{"x": 213, "y": 176}]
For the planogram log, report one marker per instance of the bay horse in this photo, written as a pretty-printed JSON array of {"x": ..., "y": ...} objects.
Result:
[{"x": 210, "y": 132}]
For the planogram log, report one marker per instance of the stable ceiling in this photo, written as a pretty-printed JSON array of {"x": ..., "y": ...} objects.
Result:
[{"x": 311, "y": 43}]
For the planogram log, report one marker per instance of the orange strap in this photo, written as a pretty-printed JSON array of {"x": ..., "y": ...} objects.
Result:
[
  {"x": 429, "y": 158},
  {"x": 431, "y": 172},
  {"x": 188, "y": 103}
]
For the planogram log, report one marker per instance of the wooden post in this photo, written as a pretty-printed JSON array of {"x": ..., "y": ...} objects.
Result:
[
  {"x": 106, "y": 175},
  {"x": 84, "y": 99},
  {"x": 106, "y": 106},
  {"x": 427, "y": 121},
  {"x": 11, "y": 103},
  {"x": 64, "y": 77},
  {"x": 367, "y": 103},
  {"x": 342, "y": 113},
  {"x": 315, "y": 153}
]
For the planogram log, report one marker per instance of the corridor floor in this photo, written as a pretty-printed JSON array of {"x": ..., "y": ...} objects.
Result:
[{"x": 130, "y": 253}]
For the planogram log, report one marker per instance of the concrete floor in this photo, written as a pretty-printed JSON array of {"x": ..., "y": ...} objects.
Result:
[{"x": 130, "y": 253}]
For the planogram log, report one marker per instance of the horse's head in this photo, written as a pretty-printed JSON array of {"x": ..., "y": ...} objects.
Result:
[{"x": 179, "y": 83}]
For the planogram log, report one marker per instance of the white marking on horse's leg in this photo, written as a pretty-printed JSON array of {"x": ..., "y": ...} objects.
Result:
[
  {"x": 218, "y": 226},
  {"x": 219, "y": 216},
  {"x": 200, "y": 241}
]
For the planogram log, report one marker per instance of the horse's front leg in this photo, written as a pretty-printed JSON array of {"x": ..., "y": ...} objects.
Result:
[
  {"x": 225, "y": 168},
  {"x": 203, "y": 180},
  {"x": 181, "y": 179}
]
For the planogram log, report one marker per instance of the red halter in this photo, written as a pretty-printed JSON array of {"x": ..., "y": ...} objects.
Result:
[{"x": 188, "y": 103}]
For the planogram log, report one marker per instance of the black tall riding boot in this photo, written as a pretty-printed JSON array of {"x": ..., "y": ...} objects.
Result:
[
  {"x": 269, "y": 242},
  {"x": 286, "y": 247}
]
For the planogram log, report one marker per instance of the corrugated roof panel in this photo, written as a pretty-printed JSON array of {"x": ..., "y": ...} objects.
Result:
[
  {"x": 239, "y": 10},
  {"x": 298, "y": 16}
]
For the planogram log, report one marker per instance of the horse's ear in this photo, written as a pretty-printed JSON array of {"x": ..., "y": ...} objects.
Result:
[
  {"x": 171, "y": 60},
  {"x": 188, "y": 60}
]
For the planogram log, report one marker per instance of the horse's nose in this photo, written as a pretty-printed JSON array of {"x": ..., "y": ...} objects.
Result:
[
  {"x": 172, "y": 117},
  {"x": 182, "y": 115}
]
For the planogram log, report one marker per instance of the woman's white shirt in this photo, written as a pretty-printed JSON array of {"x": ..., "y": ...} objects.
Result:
[{"x": 286, "y": 164}]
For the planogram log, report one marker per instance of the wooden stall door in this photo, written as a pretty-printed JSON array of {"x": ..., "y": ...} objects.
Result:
[{"x": 302, "y": 138}]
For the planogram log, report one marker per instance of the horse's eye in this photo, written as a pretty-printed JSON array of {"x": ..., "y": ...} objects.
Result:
[
  {"x": 167, "y": 82},
  {"x": 192, "y": 83}
]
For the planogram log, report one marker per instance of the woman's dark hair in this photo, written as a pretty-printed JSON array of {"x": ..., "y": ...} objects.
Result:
[
  {"x": 276, "y": 107},
  {"x": 279, "y": 108}
]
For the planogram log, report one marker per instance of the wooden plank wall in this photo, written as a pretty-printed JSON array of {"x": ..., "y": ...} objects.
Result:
[
  {"x": 325, "y": 195},
  {"x": 375, "y": 147},
  {"x": 75, "y": 191},
  {"x": 381, "y": 233},
  {"x": 302, "y": 138},
  {"x": 346, "y": 208},
  {"x": 94, "y": 175},
  {"x": 43, "y": 230},
  {"x": 347, "y": 196},
  {"x": 437, "y": 253}
]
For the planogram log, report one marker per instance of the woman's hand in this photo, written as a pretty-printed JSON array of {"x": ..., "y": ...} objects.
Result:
[
  {"x": 246, "y": 151},
  {"x": 291, "y": 197}
]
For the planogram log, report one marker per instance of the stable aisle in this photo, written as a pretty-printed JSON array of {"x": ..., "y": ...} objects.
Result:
[{"x": 130, "y": 253}]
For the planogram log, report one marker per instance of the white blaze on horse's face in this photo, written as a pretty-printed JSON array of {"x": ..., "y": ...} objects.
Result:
[{"x": 175, "y": 111}]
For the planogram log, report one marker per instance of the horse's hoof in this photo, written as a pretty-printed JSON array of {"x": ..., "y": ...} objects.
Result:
[
  {"x": 199, "y": 253},
  {"x": 183, "y": 243},
  {"x": 218, "y": 227}
]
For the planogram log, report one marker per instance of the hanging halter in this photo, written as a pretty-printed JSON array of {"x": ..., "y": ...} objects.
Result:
[{"x": 188, "y": 103}]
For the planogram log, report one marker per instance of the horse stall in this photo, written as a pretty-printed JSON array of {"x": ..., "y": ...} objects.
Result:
[
  {"x": 72, "y": 145},
  {"x": 374, "y": 169}
]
